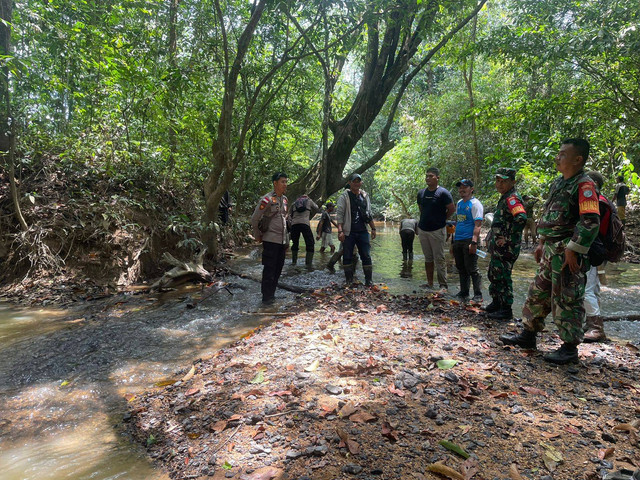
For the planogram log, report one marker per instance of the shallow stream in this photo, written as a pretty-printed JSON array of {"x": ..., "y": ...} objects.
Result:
[{"x": 65, "y": 379}]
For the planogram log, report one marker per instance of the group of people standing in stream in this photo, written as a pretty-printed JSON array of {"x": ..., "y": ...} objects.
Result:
[{"x": 566, "y": 285}]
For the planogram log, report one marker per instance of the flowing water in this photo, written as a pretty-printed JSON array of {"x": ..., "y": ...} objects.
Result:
[{"x": 65, "y": 380}]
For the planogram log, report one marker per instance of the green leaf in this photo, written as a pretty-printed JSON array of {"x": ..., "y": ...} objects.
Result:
[
  {"x": 151, "y": 440},
  {"x": 259, "y": 378},
  {"x": 454, "y": 448},
  {"x": 227, "y": 466},
  {"x": 446, "y": 363}
]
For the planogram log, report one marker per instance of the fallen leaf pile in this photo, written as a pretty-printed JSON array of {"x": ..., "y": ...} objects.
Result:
[{"x": 362, "y": 384}]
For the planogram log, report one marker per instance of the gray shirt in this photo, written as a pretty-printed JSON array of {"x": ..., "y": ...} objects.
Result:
[{"x": 274, "y": 208}]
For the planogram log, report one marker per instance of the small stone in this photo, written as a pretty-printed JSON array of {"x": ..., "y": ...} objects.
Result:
[
  {"x": 333, "y": 389},
  {"x": 546, "y": 477},
  {"x": 516, "y": 409},
  {"x": 352, "y": 468},
  {"x": 607, "y": 437},
  {"x": 376, "y": 471},
  {"x": 431, "y": 413},
  {"x": 293, "y": 454},
  {"x": 452, "y": 377}
]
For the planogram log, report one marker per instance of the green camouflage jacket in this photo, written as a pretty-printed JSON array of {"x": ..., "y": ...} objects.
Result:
[
  {"x": 572, "y": 211},
  {"x": 509, "y": 220}
]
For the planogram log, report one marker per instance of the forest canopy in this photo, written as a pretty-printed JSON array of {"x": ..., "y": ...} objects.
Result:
[{"x": 193, "y": 98}]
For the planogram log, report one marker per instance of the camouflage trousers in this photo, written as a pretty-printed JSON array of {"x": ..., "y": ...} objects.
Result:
[
  {"x": 558, "y": 291},
  {"x": 499, "y": 275}
]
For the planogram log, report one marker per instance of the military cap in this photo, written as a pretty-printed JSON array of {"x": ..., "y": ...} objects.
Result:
[
  {"x": 355, "y": 176},
  {"x": 506, "y": 173}
]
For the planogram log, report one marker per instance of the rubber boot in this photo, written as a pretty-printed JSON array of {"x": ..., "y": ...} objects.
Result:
[
  {"x": 465, "y": 283},
  {"x": 348, "y": 274},
  {"x": 322, "y": 249},
  {"x": 494, "y": 306},
  {"x": 333, "y": 260},
  {"x": 594, "y": 329},
  {"x": 505, "y": 313},
  {"x": 565, "y": 354},
  {"x": 332, "y": 248},
  {"x": 294, "y": 257},
  {"x": 411, "y": 255},
  {"x": 524, "y": 339},
  {"x": 308, "y": 261},
  {"x": 477, "y": 286},
  {"x": 404, "y": 256},
  {"x": 368, "y": 273}
]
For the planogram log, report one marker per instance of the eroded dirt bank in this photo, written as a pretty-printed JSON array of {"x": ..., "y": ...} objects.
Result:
[{"x": 361, "y": 384}]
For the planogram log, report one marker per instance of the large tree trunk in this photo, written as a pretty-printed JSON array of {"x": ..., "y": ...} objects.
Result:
[
  {"x": 7, "y": 123},
  {"x": 387, "y": 61}
]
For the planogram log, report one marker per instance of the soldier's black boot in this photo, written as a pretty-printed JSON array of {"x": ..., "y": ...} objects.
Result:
[
  {"x": 567, "y": 353},
  {"x": 505, "y": 313},
  {"x": 411, "y": 255},
  {"x": 294, "y": 257},
  {"x": 348, "y": 274},
  {"x": 404, "y": 255},
  {"x": 368, "y": 273},
  {"x": 494, "y": 306},
  {"x": 524, "y": 339}
]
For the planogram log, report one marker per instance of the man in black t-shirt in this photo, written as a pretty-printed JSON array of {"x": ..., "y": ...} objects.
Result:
[{"x": 436, "y": 206}]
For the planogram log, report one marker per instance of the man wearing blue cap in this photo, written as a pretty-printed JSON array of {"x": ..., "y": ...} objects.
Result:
[{"x": 469, "y": 214}]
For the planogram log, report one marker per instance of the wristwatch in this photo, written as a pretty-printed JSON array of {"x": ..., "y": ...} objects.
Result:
[{"x": 473, "y": 242}]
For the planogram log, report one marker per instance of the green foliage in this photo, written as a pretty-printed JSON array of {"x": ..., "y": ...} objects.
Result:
[{"x": 98, "y": 89}]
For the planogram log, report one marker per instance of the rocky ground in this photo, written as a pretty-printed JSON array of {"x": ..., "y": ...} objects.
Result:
[{"x": 360, "y": 384}]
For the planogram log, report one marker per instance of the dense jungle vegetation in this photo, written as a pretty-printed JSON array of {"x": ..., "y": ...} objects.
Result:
[{"x": 123, "y": 123}]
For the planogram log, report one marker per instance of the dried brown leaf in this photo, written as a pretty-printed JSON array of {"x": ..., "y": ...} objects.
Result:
[
  {"x": 362, "y": 417},
  {"x": 349, "y": 409},
  {"x": 605, "y": 453},
  {"x": 534, "y": 391},
  {"x": 513, "y": 473},
  {"x": 442, "y": 469}
]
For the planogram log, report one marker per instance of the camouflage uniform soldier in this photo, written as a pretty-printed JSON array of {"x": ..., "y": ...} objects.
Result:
[
  {"x": 508, "y": 222},
  {"x": 567, "y": 228}
]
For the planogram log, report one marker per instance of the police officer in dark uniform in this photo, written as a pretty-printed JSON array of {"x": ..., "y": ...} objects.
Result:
[
  {"x": 506, "y": 229},
  {"x": 269, "y": 222}
]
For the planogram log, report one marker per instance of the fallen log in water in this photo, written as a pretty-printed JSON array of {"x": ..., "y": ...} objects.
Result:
[
  {"x": 282, "y": 285},
  {"x": 182, "y": 272},
  {"x": 632, "y": 317}
]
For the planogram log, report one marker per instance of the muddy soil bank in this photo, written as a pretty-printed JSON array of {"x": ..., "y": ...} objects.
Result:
[{"x": 361, "y": 384}]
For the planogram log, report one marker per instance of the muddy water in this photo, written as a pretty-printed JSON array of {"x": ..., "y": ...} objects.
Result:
[{"x": 65, "y": 380}]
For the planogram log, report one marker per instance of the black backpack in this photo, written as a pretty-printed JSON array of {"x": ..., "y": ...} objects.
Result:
[
  {"x": 611, "y": 245},
  {"x": 300, "y": 205}
]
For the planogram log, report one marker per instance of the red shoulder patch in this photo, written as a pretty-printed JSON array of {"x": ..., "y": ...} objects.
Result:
[
  {"x": 588, "y": 198},
  {"x": 515, "y": 205}
]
